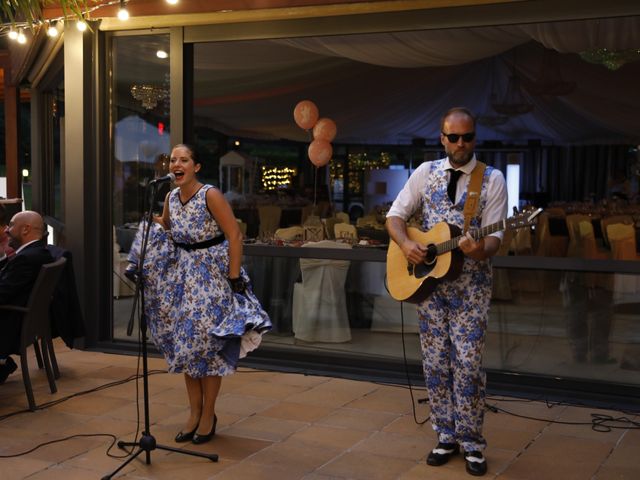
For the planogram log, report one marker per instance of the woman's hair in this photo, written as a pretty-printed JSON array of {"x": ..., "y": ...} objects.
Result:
[
  {"x": 191, "y": 150},
  {"x": 3, "y": 215}
]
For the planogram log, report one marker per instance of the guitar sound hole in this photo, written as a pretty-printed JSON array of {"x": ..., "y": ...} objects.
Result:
[{"x": 432, "y": 255}]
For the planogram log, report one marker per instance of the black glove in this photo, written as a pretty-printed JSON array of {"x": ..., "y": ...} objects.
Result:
[
  {"x": 131, "y": 275},
  {"x": 237, "y": 285}
]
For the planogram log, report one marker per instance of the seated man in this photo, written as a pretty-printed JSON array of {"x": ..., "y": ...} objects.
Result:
[{"x": 18, "y": 273}]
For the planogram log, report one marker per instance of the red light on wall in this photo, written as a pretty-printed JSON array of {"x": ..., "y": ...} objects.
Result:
[{"x": 160, "y": 128}]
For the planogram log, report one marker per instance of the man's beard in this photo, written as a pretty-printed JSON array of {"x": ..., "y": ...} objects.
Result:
[
  {"x": 462, "y": 159},
  {"x": 14, "y": 242}
]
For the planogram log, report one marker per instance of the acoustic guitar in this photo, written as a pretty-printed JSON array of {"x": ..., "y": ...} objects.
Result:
[{"x": 414, "y": 283}]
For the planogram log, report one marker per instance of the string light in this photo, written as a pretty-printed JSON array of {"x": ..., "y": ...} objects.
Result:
[
  {"x": 277, "y": 177},
  {"x": 81, "y": 25},
  {"x": 22, "y": 39},
  {"x": 123, "y": 14},
  {"x": 52, "y": 31}
]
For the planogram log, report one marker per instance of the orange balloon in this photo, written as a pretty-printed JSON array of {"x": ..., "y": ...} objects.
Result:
[
  {"x": 325, "y": 129},
  {"x": 320, "y": 152},
  {"x": 305, "y": 114}
]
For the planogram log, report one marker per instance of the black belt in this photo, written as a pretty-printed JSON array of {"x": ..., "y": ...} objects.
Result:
[{"x": 200, "y": 245}]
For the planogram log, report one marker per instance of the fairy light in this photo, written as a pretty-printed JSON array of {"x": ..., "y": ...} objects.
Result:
[
  {"x": 81, "y": 25},
  {"x": 22, "y": 39},
  {"x": 274, "y": 178},
  {"x": 123, "y": 13},
  {"x": 52, "y": 30}
]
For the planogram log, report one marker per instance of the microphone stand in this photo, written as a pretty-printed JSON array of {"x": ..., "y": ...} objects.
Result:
[{"x": 147, "y": 442}]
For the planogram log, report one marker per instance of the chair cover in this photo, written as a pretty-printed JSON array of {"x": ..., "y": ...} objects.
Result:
[
  {"x": 269, "y": 216},
  {"x": 345, "y": 231},
  {"x": 290, "y": 233},
  {"x": 319, "y": 302}
]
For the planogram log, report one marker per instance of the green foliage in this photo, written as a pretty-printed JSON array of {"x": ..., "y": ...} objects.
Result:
[{"x": 31, "y": 11}]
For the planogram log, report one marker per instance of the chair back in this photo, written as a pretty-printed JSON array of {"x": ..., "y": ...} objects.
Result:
[
  {"x": 269, "y": 216},
  {"x": 623, "y": 241},
  {"x": 345, "y": 231},
  {"x": 343, "y": 217},
  {"x": 577, "y": 234},
  {"x": 35, "y": 322},
  {"x": 611, "y": 220}
]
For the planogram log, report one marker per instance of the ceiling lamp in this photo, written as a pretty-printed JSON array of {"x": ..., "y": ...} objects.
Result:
[
  {"x": 513, "y": 102},
  {"x": 149, "y": 95},
  {"x": 549, "y": 81},
  {"x": 612, "y": 59}
]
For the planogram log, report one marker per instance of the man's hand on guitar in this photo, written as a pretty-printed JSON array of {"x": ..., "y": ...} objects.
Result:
[
  {"x": 472, "y": 248},
  {"x": 414, "y": 251}
]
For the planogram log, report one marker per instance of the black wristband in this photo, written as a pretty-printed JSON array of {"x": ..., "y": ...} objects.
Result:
[{"x": 237, "y": 284}]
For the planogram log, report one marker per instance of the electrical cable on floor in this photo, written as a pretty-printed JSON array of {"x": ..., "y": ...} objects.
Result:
[{"x": 44, "y": 406}]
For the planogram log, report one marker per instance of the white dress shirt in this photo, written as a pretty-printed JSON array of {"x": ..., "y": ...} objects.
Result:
[{"x": 410, "y": 197}]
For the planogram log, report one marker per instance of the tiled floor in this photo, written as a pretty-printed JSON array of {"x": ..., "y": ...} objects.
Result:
[{"x": 289, "y": 426}]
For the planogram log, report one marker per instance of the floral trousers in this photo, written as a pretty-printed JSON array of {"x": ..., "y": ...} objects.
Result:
[{"x": 453, "y": 323}]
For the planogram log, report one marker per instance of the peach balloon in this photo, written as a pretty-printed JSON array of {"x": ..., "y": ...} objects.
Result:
[
  {"x": 320, "y": 152},
  {"x": 325, "y": 129},
  {"x": 305, "y": 114}
]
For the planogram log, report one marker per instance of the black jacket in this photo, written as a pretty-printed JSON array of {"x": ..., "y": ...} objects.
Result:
[
  {"x": 17, "y": 277},
  {"x": 66, "y": 315}
]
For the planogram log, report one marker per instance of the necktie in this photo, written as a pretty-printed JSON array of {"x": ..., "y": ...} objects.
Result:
[{"x": 454, "y": 175}]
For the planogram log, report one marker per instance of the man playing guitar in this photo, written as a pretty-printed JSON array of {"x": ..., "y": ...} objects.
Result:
[{"x": 453, "y": 318}]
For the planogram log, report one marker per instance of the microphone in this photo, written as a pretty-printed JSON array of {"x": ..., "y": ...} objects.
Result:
[{"x": 169, "y": 177}]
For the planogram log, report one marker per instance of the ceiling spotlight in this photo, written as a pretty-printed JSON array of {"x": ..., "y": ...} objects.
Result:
[
  {"x": 13, "y": 35},
  {"x": 21, "y": 37},
  {"x": 172, "y": 2},
  {"x": 81, "y": 25},
  {"x": 52, "y": 31},
  {"x": 123, "y": 14},
  {"x": 162, "y": 54}
]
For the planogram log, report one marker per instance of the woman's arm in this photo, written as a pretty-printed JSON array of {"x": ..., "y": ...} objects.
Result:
[{"x": 223, "y": 215}]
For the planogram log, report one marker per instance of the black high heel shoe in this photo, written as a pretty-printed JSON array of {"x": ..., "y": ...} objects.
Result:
[
  {"x": 185, "y": 437},
  {"x": 198, "y": 439}
]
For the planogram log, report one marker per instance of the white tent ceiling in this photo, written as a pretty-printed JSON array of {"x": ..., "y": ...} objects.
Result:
[{"x": 389, "y": 88}]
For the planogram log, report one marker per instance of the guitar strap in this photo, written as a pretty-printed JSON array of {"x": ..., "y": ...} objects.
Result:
[{"x": 473, "y": 194}]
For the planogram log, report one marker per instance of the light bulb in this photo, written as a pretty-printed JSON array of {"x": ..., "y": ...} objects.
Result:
[
  {"x": 123, "y": 14},
  {"x": 81, "y": 25},
  {"x": 52, "y": 31},
  {"x": 21, "y": 38},
  {"x": 13, "y": 35},
  {"x": 172, "y": 2}
]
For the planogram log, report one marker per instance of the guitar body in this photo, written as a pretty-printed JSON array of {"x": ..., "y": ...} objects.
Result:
[{"x": 414, "y": 283}]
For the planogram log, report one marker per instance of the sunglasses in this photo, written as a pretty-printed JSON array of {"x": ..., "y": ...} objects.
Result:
[{"x": 454, "y": 137}]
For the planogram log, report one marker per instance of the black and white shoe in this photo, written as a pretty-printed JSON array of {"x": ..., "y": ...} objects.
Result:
[
  {"x": 476, "y": 464},
  {"x": 442, "y": 453}
]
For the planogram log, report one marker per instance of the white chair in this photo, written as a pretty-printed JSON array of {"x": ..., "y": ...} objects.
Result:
[{"x": 319, "y": 302}]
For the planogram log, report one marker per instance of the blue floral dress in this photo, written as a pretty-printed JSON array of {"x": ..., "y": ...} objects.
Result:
[{"x": 194, "y": 317}]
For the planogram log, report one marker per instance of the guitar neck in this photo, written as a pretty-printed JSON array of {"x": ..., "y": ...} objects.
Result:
[{"x": 476, "y": 233}]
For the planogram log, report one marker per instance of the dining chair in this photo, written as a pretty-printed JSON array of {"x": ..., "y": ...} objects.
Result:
[
  {"x": 613, "y": 219},
  {"x": 319, "y": 302},
  {"x": 36, "y": 324},
  {"x": 343, "y": 217},
  {"x": 345, "y": 231},
  {"x": 622, "y": 238},
  {"x": 269, "y": 216}
]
